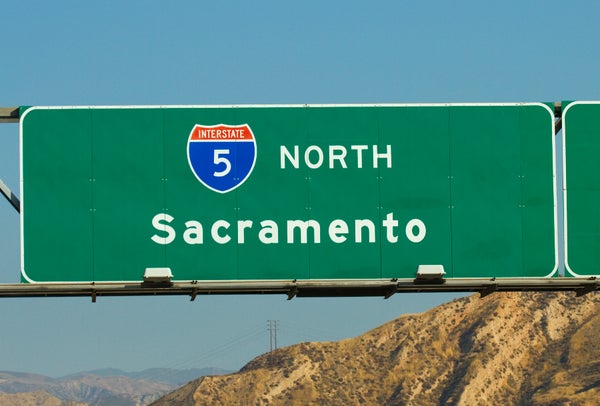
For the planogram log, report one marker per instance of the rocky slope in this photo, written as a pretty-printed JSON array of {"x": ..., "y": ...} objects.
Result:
[
  {"x": 36, "y": 398},
  {"x": 506, "y": 348}
]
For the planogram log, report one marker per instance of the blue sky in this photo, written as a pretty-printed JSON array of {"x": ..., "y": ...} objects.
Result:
[{"x": 234, "y": 52}]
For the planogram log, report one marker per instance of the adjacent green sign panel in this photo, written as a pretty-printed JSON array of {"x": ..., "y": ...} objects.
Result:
[
  {"x": 287, "y": 192},
  {"x": 581, "y": 140}
]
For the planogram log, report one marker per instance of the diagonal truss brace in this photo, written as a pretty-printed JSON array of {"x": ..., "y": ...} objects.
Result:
[
  {"x": 9, "y": 115},
  {"x": 13, "y": 200}
]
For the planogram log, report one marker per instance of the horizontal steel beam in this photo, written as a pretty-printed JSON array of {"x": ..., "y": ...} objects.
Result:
[
  {"x": 305, "y": 288},
  {"x": 9, "y": 114}
]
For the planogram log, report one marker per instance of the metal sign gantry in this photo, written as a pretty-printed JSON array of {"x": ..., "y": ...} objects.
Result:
[
  {"x": 337, "y": 288},
  {"x": 384, "y": 287}
]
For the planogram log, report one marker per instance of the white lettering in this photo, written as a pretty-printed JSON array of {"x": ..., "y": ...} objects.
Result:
[
  {"x": 269, "y": 233},
  {"x": 297, "y": 231},
  {"x": 220, "y": 159},
  {"x": 158, "y": 223},
  {"x": 284, "y": 153},
  {"x": 242, "y": 225},
  {"x": 214, "y": 231},
  {"x": 410, "y": 230},
  {"x": 337, "y": 153},
  {"x": 387, "y": 155},
  {"x": 359, "y": 225},
  {"x": 303, "y": 227},
  {"x": 337, "y": 227},
  {"x": 319, "y": 157},
  {"x": 193, "y": 233},
  {"x": 359, "y": 149},
  {"x": 229, "y": 133},
  {"x": 389, "y": 223}
]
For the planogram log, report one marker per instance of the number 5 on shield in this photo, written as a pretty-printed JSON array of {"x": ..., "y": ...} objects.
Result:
[{"x": 220, "y": 159}]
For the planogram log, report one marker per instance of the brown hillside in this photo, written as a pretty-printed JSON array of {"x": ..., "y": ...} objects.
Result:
[
  {"x": 37, "y": 398},
  {"x": 507, "y": 348}
]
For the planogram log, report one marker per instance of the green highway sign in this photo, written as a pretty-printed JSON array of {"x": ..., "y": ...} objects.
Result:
[
  {"x": 288, "y": 192},
  {"x": 581, "y": 141}
]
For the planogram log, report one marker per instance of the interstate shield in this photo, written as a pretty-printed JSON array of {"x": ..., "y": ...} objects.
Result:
[{"x": 221, "y": 156}]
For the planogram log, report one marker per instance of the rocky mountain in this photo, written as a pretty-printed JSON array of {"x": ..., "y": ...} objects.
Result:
[
  {"x": 111, "y": 387},
  {"x": 506, "y": 348},
  {"x": 175, "y": 377}
]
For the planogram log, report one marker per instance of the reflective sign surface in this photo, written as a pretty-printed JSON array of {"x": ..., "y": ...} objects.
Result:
[{"x": 287, "y": 192}]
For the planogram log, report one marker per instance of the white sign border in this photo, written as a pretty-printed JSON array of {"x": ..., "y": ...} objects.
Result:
[{"x": 107, "y": 107}]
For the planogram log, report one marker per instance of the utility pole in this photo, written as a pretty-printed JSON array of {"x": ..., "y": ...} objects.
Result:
[{"x": 272, "y": 335}]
